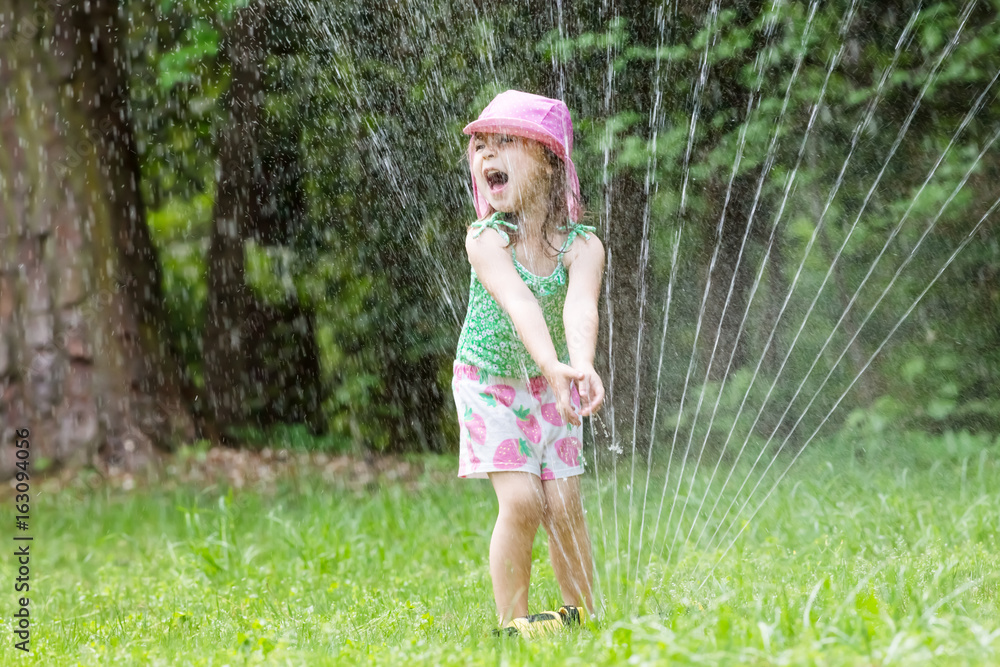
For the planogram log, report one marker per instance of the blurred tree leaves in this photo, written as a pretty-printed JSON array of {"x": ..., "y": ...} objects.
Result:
[
  {"x": 184, "y": 63},
  {"x": 365, "y": 110}
]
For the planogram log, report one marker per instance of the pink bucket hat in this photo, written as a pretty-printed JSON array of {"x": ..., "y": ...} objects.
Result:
[{"x": 533, "y": 117}]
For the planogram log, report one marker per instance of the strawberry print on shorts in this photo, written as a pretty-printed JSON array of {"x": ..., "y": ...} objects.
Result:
[{"x": 508, "y": 424}]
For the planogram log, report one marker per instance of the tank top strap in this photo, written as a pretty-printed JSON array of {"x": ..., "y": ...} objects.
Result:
[
  {"x": 573, "y": 230},
  {"x": 497, "y": 224}
]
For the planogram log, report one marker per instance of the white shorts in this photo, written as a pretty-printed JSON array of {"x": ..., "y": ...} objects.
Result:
[{"x": 510, "y": 425}]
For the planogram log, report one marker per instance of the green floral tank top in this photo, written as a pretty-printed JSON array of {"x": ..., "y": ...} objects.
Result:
[{"x": 488, "y": 339}]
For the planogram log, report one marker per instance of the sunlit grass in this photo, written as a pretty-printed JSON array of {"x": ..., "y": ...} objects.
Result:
[{"x": 889, "y": 559}]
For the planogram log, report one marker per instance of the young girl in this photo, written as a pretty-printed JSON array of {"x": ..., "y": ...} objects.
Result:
[{"x": 526, "y": 352}]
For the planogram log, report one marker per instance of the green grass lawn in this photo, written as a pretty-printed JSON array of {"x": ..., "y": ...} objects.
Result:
[{"x": 888, "y": 559}]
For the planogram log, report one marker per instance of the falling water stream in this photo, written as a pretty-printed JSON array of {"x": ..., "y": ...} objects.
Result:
[
  {"x": 854, "y": 142},
  {"x": 632, "y": 538},
  {"x": 829, "y": 272}
]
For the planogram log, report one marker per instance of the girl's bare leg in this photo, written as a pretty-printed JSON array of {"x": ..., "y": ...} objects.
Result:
[
  {"x": 521, "y": 507},
  {"x": 569, "y": 542}
]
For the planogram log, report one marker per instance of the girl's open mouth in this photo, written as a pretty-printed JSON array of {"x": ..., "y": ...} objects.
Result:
[{"x": 496, "y": 180}]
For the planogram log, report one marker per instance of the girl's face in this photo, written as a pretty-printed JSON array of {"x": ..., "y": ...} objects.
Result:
[{"x": 511, "y": 172}]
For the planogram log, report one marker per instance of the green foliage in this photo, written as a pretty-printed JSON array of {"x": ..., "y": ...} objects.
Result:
[
  {"x": 764, "y": 97},
  {"x": 295, "y": 438},
  {"x": 174, "y": 229},
  {"x": 184, "y": 63}
]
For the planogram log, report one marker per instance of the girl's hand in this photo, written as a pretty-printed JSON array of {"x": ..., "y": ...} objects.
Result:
[
  {"x": 591, "y": 392},
  {"x": 560, "y": 376}
]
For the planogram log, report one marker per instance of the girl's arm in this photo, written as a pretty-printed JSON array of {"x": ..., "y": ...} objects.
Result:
[
  {"x": 585, "y": 264},
  {"x": 495, "y": 268}
]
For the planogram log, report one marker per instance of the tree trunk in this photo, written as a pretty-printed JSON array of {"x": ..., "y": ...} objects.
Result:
[
  {"x": 629, "y": 339},
  {"x": 733, "y": 273},
  {"x": 865, "y": 387},
  {"x": 625, "y": 376},
  {"x": 777, "y": 288},
  {"x": 235, "y": 208},
  {"x": 730, "y": 282},
  {"x": 81, "y": 364}
]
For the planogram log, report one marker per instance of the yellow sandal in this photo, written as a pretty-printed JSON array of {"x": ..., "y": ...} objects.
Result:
[{"x": 545, "y": 623}]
